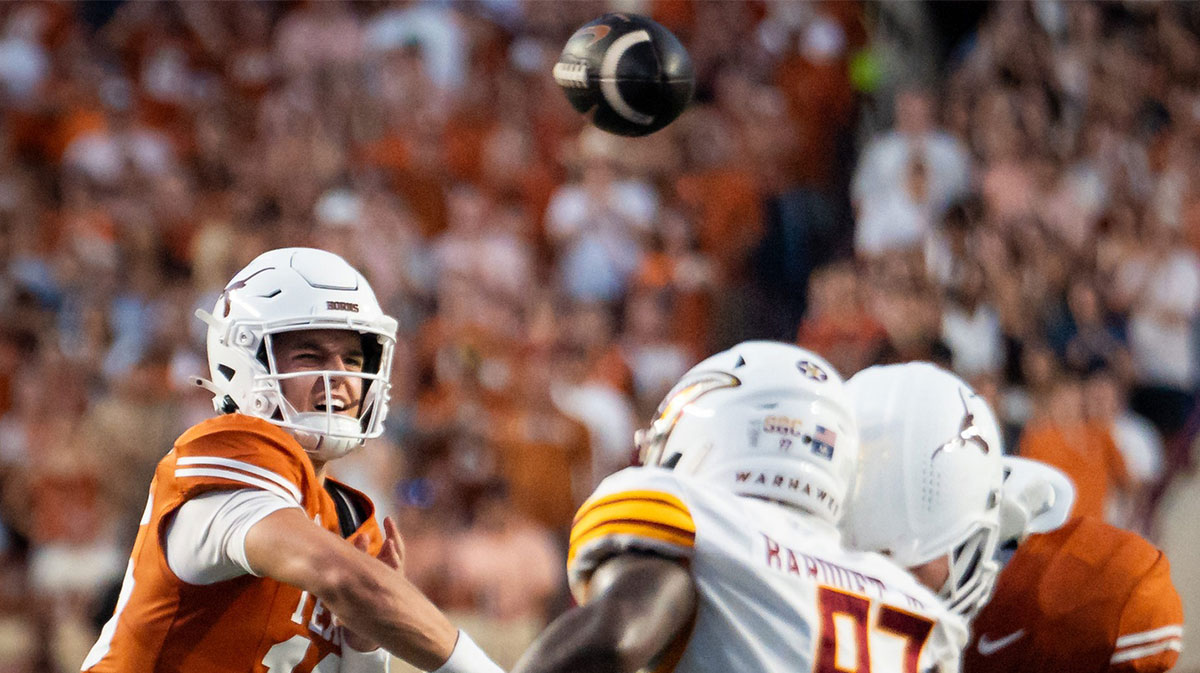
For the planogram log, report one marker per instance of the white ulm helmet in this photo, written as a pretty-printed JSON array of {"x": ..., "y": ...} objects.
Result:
[
  {"x": 287, "y": 290},
  {"x": 930, "y": 478},
  {"x": 762, "y": 419}
]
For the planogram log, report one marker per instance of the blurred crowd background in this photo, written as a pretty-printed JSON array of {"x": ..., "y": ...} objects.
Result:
[{"x": 1009, "y": 189}]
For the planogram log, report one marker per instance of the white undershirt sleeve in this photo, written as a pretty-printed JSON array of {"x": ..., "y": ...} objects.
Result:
[
  {"x": 206, "y": 541},
  {"x": 467, "y": 657},
  {"x": 375, "y": 661}
]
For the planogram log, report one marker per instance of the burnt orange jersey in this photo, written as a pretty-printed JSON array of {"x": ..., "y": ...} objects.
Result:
[
  {"x": 246, "y": 624},
  {"x": 1085, "y": 598}
]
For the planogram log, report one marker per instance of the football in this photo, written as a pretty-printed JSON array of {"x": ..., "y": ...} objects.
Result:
[{"x": 626, "y": 73}]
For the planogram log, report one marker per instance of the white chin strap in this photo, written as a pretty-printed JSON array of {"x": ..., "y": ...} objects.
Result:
[{"x": 325, "y": 437}]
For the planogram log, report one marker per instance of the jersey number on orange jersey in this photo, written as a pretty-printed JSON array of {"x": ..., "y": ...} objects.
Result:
[
  {"x": 853, "y": 611},
  {"x": 285, "y": 656}
]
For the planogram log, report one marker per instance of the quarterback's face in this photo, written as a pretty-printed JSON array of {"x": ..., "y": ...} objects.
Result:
[{"x": 320, "y": 350}]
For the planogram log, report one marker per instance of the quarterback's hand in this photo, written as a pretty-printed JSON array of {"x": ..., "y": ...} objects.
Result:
[{"x": 392, "y": 553}]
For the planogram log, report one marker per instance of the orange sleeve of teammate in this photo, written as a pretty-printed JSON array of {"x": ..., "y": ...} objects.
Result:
[{"x": 1151, "y": 628}]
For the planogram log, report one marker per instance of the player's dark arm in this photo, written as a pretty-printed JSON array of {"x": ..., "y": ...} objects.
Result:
[
  {"x": 372, "y": 599},
  {"x": 638, "y": 605}
]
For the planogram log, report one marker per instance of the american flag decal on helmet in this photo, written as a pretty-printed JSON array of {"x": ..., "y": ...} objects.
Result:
[{"x": 822, "y": 442}]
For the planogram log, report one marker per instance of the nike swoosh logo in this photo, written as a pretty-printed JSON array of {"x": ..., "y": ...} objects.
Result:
[{"x": 988, "y": 647}]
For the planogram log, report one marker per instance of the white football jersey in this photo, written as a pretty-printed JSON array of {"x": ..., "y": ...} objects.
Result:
[{"x": 777, "y": 592}]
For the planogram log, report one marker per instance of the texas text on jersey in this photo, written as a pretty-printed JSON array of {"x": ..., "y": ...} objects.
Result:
[
  {"x": 254, "y": 623},
  {"x": 1084, "y": 598}
]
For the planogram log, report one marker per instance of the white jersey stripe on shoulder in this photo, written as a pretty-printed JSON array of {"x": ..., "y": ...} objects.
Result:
[
  {"x": 149, "y": 511},
  {"x": 1139, "y": 652},
  {"x": 244, "y": 466},
  {"x": 1148, "y": 636},
  {"x": 236, "y": 476}
]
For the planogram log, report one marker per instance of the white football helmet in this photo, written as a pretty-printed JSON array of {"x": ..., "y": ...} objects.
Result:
[
  {"x": 762, "y": 419},
  {"x": 287, "y": 290},
  {"x": 930, "y": 478}
]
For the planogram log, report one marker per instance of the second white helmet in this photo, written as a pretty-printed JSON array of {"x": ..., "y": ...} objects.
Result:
[
  {"x": 930, "y": 478},
  {"x": 763, "y": 419}
]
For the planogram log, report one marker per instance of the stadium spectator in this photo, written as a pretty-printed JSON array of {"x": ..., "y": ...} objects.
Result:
[
  {"x": 1088, "y": 339},
  {"x": 598, "y": 226},
  {"x": 541, "y": 453},
  {"x": 971, "y": 327},
  {"x": 837, "y": 324},
  {"x": 916, "y": 164},
  {"x": 1162, "y": 289},
  {"x": 1138, "y": 440},
  {"x": 1085, "y": 451},
  {"x": 654, "y": 358},
  {"x": 510, "y": 566}
]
